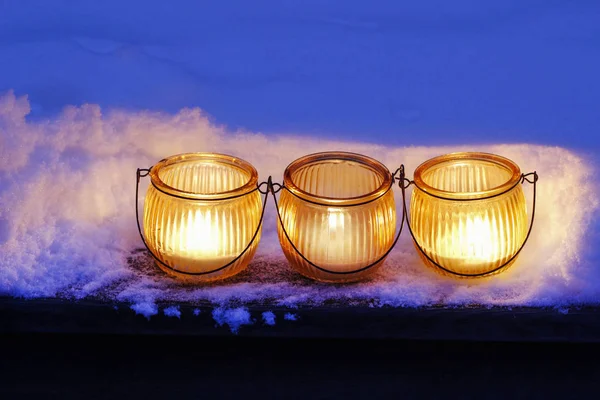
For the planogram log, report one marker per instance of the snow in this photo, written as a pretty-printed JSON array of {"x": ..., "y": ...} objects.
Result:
[
  {"x": 268, "y": 318},
  {"x": 145, "y": 309},
  {"x": 172, "y": 311},
  {"x": 290, "y": 317},
  {"x": 232, "y": 317},
  {"x": 68, "y": 224},
  {"x": 101, "y": 89}
]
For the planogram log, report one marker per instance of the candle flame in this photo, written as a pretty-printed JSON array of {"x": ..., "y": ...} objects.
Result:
[{"x": 200, "y": 236}]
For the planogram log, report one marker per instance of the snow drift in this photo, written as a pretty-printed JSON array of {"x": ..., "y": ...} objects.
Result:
[{"x": 67, "y": 224}]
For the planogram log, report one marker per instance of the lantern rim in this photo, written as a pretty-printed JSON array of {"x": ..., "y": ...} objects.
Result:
[
  {"x": 374, "y": 165},
  {"x": 224, "y": 159},
  {"x": 508, "y": 164}
]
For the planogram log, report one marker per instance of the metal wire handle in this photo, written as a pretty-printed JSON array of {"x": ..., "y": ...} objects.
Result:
[
  {"x": 405, "y": 183},
  {"x": 271, "y": 188},
  {"x": 143, "y": 172}
]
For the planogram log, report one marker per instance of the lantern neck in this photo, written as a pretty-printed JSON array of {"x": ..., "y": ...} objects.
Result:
[
  {"x": 337, "y": 178},
  {"x": 467, "y": 176},
  {"x": 204, "y": 176}
]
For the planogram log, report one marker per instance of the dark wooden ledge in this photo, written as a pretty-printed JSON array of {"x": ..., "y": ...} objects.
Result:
[{"x": 464, "y": 324}]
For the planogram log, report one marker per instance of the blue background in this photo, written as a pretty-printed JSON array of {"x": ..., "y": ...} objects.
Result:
[{"x": 407, "y": 73}]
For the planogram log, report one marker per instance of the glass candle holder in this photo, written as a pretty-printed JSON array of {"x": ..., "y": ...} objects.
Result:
[
  {"x": 468, "y": 213},
  {"x": 338, "y": 211},
  {"x": 201, "y": 211}
]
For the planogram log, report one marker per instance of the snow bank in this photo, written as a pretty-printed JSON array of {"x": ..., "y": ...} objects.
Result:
[{"x": 67, "y": 224}]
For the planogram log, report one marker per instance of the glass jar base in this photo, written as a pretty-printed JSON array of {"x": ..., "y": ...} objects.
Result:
[
  {"x": 195, "y": 279},
  {"x": 325, "y": 277},
  {"x": 464, "y": 274}
]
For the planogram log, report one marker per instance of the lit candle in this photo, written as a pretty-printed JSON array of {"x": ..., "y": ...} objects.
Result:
[
  {"x": 334, "y": 233},
  {"x": 468, "y": 213},
  {"x": 200, "y": 236},
  {"x": 470, "y": 245},
  {"x": 198, "y": 241},
  {"x": 338, "y": 215},
  {"x": 201, "y": 213}
]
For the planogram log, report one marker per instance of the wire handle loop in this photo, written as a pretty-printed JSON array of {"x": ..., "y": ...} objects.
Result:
[
  {"x": 531, "y": 178},
  {"x": 143, "y": 172},
  {"x": 276, "y": 187}
]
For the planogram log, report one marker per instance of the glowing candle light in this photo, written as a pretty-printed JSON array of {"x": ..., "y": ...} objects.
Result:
[
  {"x": 200, "y": 213},
  {"x": 198, "y": 240},
  {"x": 473, "y": 244},
  {"x": 338, "y": 210},
  {"x": 468, "y": 212},
  {"x": 200, "y": 235}
]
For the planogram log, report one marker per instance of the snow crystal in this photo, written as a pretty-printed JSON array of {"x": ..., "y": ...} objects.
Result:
[
  {"x": 67, "y": 222},
  {"x": 145, "y": 309},
  {"x": 172, "y": 311},
  {"x": 196, "y": 312},
  {"x": 268, "y": 318},
  {"x": 233, "y": 317},
  {"x": 290, "y": 317}
]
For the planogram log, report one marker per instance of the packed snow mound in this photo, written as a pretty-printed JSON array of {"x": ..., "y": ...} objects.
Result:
[{"x": 67, "y": 221}]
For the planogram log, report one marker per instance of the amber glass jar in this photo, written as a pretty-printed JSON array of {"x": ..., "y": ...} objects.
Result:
[
  {"x": 338, "y": 210},
  {"x": 468, "y": 213},
  {"x": 201, "y": 211}
]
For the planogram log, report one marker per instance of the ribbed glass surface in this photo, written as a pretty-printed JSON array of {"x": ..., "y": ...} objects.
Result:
[
  {"x": 340, "y": 180},
  {"x": 468, "y": 237},
  {"x": 192, "y": 235},
  {"x": 333, "y": 237}
]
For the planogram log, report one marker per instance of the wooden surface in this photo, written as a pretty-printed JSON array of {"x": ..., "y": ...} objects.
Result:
[
  {"x": 88, "y": 349},
  {"x": 90, "y": 366},
  {"x": 466, "y": 324}
]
